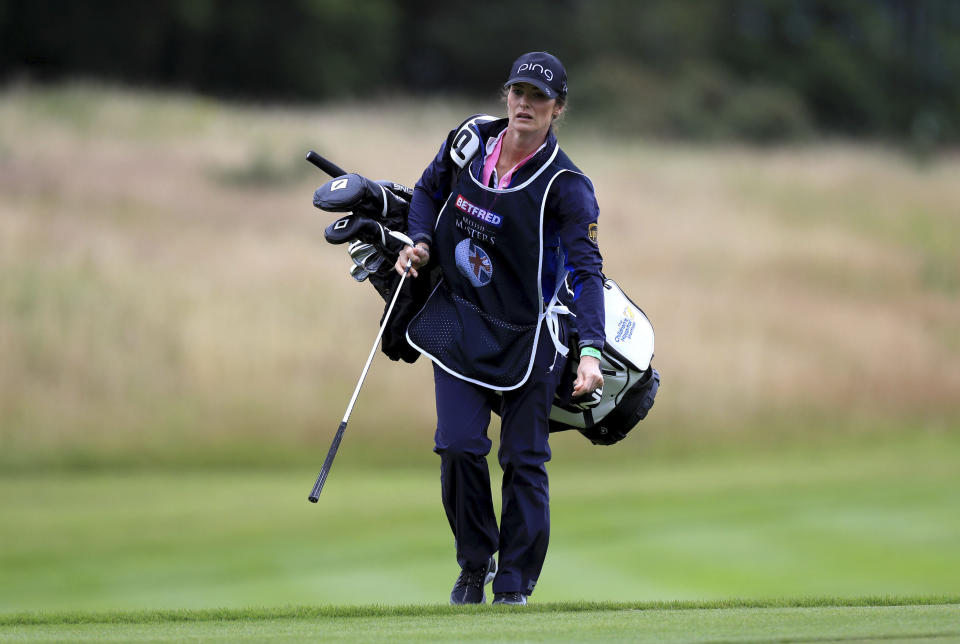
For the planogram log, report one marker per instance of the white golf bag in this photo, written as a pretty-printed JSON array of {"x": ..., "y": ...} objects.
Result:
[{"x": 630, "y": 383}]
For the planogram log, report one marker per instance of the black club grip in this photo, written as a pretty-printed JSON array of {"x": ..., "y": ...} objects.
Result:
[
  {"x": 329, "y": 167},
  {"x": 327, "y": 464}
]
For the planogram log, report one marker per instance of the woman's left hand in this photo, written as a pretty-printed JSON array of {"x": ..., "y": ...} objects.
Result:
[{"x": 589, "y": 377}]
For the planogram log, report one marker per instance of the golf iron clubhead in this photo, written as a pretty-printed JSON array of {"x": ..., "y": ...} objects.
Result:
[
  {"x": 373, "y": 262},
  {"x": 359, "y": 251},
  {"x": 358, "y": 272},
  {"x": 365, "y": 256}
]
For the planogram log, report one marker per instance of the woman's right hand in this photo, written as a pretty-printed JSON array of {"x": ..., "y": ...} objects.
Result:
[{"x": 417, "y": 255}]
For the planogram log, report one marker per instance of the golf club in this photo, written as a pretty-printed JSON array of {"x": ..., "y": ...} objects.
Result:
[
  {"x": 325, "y": 470},
  {"x": 326, "y": 165},
  {"x": 359, "y": 273}
]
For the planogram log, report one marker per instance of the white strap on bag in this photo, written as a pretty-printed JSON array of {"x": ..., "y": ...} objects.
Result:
[{"x": 552, "y": 316}]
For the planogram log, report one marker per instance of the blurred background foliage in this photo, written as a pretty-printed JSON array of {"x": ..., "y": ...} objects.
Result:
[{"x": 758, "y": 70}]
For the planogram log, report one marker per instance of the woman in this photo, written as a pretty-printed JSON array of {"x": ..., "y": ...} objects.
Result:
[{"x": 505, "y": 214}]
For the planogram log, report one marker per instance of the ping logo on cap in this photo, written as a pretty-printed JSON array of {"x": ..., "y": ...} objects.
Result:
[{"x": 545, "y": 71}]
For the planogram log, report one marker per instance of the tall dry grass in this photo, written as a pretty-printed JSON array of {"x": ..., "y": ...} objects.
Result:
[{"x": 165, "y": 291}]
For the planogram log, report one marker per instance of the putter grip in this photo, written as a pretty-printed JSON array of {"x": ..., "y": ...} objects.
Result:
[
  {"x": 329, "y": 167},
  {"x": 325, "y": 470}
]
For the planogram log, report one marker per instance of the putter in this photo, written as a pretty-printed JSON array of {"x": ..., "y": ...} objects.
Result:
[{"x": 325, "y": 470}]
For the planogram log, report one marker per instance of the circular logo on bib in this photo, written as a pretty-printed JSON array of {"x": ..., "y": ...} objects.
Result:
[{"x": 474, "y": 263}]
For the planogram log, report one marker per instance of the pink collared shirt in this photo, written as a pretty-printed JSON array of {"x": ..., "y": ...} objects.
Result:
[{"x": 490, "y": 164}]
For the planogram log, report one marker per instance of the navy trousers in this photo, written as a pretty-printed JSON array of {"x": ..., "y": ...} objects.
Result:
[{"x": 463, "y": 416}]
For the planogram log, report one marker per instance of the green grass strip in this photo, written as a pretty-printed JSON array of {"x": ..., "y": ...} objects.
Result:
[{"x": 324, "y": 612}]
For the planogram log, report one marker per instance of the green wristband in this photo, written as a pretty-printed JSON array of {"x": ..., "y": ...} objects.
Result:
[{"x": 590, "y": 351}]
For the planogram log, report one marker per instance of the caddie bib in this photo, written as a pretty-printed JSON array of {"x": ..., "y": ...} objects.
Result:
[{"x": 483, "y": 320}]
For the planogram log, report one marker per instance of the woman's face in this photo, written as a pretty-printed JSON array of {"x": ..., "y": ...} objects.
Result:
[{"x": 529, "y": 109}]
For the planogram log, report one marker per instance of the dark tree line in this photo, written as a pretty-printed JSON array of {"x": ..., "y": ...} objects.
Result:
[{"x": 756, "y": 69}]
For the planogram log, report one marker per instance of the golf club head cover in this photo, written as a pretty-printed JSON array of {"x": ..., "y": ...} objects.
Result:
[
  {"x": 346, "y": 229},
  {"x": 398, "y": 189},
  {"x": 357, "y": 194},
  {"x": 365, "y": 229}
]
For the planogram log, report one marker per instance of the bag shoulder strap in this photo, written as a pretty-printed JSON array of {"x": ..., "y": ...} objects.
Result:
[{"x": 464, "y": 144}]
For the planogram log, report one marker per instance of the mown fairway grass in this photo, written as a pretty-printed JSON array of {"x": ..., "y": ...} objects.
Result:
[
  {"x": 879, "y": 520},
  {"x": 875, "y": 619}
]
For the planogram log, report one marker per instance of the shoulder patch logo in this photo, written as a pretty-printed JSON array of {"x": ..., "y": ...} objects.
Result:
[
  {"x": 592, "y": 233},
  {"x": 474, "y": 263}
]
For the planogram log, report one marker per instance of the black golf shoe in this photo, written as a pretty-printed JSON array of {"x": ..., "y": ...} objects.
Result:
[
  {"x": 470, "y": 583},
  {"x": 510, "y": 599}
]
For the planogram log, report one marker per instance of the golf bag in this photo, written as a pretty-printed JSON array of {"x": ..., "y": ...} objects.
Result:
[{"x": 630, "y": 383}]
